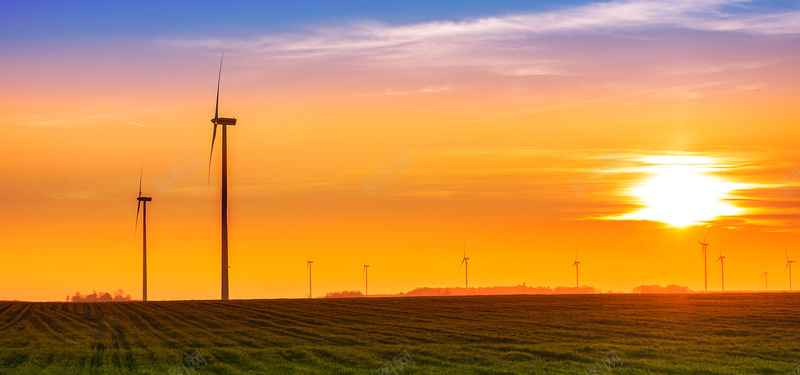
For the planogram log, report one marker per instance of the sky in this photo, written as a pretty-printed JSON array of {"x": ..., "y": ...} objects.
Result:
[{"x": 393, "y": 134}]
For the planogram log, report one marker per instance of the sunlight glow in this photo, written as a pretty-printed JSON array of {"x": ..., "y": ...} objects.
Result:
[{"x": 680, "y": 192}]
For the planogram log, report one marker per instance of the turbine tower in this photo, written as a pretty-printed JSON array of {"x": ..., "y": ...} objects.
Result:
[
  {"x": 721, "y": 261},
  {"x": 575, "y": 264},
  {"x": 766, "y": 286},
  {"x": 366, "y": 279},
  {"x": 309, "y": 262},
  {"x": 224, "y": 122},
  {"x": 465, "y": 263},
  {"x": 704, "y": 244},
  {"x": 143, "y": 205},
  {"x": 789, "y": 266}
]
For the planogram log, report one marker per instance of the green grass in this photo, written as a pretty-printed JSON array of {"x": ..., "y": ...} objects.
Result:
[{"x": 561, "y": 334}]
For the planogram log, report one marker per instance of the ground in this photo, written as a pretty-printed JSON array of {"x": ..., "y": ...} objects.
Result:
[{"x": 732, "y": 333}]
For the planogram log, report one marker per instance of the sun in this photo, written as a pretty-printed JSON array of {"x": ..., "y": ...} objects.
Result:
[{"x": 680, "y": 192}]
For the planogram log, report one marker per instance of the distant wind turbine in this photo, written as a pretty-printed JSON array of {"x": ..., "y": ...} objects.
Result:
[
  {"x": 789, "y": 266},
  {"x": 309, "y": 262},
  {"x": 465, "y": 263},
  {"x": 576, "y": 264},
  {"x": 143, "y": 204},
  {"x": 721, "y": 261},
  {"x": 766, "y": 285},
  {"x": 366, "y": 279},
  {"x": 224, "y": 122},
  {"x": 704, "y": 244}
]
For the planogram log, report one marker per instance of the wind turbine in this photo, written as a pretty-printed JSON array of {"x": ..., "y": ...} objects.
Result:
[
  {"x": 766, "y": 285},
  {"x": 224, "y": 121},
  {"x": 309, "y": 262},
  {"x": 575, "y": 264},
  {"x": 465, "y": 263},
  {"x": 366, "y": 279},
  {"x": 704, "y": 244},
  {"x": 143, "y": 204},
  {"x": 721, "y": 261},
  {"x": 789, "y": 266}
]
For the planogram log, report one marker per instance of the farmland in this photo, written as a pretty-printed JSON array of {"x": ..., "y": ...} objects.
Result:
[{"x": 547, "y": 334}]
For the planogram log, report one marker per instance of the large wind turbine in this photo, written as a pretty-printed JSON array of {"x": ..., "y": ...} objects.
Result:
[
  {"x": 224, "y": 122},
  {"x": 465, "y": 263},
  {"x": 309, "y": 262},
  {"x": 721, "y": 261},
  {"x": 789, "y": 266},
  {"x": 143, "y": 204},
  {"x": 575, "y": 264},
  {"x": 366, "y": 279},
  {"x": 766, "y": 285},
  {"x": 704, "y": 244}
]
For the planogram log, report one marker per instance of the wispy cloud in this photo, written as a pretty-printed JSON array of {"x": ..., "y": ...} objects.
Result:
[
  {"x": 432, "y": 89},
  {"x": 70, "y": 119},
  {"x": 504, "y": 44},
  {"x": 79, "y": 195},
  {"x": 706, "y": 68}
]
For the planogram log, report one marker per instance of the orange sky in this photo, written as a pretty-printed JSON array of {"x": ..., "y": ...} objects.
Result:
[{"x": 495, "y": 139}]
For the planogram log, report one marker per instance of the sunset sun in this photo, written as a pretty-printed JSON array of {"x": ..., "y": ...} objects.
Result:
[{"x": 680, "y": 191}]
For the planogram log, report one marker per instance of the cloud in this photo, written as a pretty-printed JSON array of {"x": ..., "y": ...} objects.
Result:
[
  {"x": 708, "y": 88},
  {"x": 78, "y": 195},
  {"x": 503, "y": 44},
  {"x": 432, "y": 89},
  {"x": 39, "y": 120}
]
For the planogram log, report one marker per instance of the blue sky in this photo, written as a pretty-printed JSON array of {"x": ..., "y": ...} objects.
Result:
[
  {"x": 26, "y": 22},
  {"x": 30, "y": 21}
]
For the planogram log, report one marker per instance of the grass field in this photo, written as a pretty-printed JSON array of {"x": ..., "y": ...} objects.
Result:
[{"x": 556, "y": 334}]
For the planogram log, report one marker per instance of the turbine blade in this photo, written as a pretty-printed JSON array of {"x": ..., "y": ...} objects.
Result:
[
  {"x": 785, "y": 268},
  {"x": 219, "y": 78},
  {"x": 709, "y": 231},
  {"x": 136, "y": 227},
  {"x": 211, "y": 155},
  {"x": 216, "y": 117},
  {"x": 787, "y": 253},
  {"x": 141, "y": 173}
]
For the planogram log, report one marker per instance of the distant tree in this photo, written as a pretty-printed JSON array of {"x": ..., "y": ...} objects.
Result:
[
  {"x": 100, "y": 297},
  {"x": 344, "y": 294}
]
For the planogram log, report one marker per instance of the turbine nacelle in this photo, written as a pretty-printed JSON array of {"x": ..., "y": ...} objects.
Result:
[
  {"x": 703, "y": 243},
  {"x": 144, "y": 199},
  {"x": 223, "y": 121}
]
